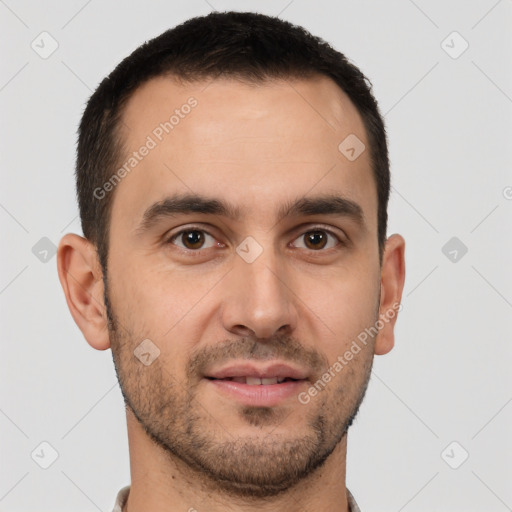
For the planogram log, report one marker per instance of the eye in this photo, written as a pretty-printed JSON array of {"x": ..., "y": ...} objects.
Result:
[
  {"x": 318, "y": 238},
  {"x": 192, "y": 239}
]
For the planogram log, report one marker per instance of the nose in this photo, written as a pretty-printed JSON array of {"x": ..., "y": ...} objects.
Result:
[{"x": 259, "y": 301}]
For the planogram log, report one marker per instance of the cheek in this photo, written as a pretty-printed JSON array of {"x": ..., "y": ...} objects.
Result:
[
  {"x": 158, "y": 297},
  {"x": 343, "y": 309},
  {"x": 170, "y": 307}
]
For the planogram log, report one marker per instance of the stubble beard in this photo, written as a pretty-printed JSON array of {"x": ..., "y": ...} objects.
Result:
[{"x": 259, "y": 466}]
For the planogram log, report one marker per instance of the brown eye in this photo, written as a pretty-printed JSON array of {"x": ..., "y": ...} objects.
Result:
[
  {"x": 191, "y": 239},
  {"x": 318, "y": 239}
]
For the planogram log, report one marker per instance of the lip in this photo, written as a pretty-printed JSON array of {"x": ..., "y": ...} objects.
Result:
[
  {"x": 276, "y": 369},
  {"x": 264, "y": 395},
  {"x": 268, "y": 395}
]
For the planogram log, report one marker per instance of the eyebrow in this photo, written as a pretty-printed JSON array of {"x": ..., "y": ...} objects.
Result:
[{"x": 186, "y": 204}]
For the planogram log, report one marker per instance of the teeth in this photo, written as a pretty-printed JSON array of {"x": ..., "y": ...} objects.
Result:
[{"x": 256, "y": 381}]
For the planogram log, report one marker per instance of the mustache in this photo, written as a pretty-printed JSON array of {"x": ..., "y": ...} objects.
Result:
[{"x": 250, "y": 348}]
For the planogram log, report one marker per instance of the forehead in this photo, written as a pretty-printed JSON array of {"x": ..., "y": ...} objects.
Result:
[{"x": 254, "y": 144}]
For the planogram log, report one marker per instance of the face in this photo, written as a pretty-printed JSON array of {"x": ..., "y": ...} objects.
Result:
[{"x": 233, "y": 304}]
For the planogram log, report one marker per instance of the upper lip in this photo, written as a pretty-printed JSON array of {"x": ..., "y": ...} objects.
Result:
[{"x": 268, "y": 371}]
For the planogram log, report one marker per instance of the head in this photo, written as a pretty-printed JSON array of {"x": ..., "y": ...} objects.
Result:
[
  {"x": 225, "y": 222},
  {"x": 247, "y": 46}
]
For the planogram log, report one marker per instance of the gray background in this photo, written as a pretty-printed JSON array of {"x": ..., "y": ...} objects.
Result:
[{"x": 449, "y": 125}]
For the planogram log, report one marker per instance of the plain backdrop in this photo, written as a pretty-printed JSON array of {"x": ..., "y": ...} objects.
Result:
[{"x": 433, "y": 433}]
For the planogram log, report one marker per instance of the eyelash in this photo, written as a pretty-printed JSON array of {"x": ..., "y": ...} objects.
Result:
[{"x": 169, "y": 240}]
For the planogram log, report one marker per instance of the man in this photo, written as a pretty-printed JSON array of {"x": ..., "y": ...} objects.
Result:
[{"x": 233, "y": 182}]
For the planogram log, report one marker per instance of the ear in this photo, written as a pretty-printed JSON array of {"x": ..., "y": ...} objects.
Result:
[
  {"x": 81, "y": 279},
  {"x": 392, "y": 285}
]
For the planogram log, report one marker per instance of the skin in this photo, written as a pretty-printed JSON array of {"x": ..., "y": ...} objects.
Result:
[{"x": 256, "y": 147}]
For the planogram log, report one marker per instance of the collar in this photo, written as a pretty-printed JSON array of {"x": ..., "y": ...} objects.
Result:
[{"x": 122, "y": 497}]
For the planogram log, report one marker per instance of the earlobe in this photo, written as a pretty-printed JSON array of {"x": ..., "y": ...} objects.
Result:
[
  {"x": 392, "y": 284},
  {"x": 80, "y": 276}
]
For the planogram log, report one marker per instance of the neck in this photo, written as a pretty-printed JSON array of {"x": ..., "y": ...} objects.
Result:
[{"x": 159, "y": 480}]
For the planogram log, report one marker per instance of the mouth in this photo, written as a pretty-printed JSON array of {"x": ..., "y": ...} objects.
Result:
[
  {"x": 257, "y": 381},
  {"x": 259, "y": 386}
]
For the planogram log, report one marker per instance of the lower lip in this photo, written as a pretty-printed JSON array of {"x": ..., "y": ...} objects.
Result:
[{"x": 263, "y": 395}]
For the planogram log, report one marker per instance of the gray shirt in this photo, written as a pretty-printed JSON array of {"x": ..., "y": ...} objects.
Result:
[{"x": 122, "y": 496}]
